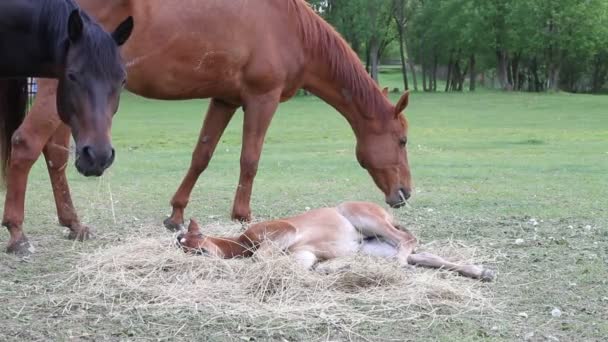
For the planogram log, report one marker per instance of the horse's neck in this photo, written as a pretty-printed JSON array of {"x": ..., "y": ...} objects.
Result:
[
  {"x": 320, "y": 82},
  {"x": 109, "y": 13},
  {"x": 30, "y": 47},
  {"x": 233, "y": 247}
]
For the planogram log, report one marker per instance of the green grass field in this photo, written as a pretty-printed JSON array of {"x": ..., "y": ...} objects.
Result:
[{"x": 490, "y": 169}]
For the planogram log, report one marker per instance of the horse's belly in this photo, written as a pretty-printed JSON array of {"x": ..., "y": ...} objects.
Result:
[{"x": 173, "y": 79}]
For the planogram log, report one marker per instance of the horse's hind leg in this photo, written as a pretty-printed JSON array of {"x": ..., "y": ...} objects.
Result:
[
  {"x": 434, "y": 261},
  {"x": 218, "y": 117},
  {"x": 57, "y": 154},
  {"x": 27, "y": 143},
  {"x": 258, "y": 114}
]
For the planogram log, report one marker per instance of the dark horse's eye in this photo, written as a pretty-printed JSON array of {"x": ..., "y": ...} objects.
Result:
[
  {"x": 72, "y": 77},
  {"x": 403, "y": 142}
]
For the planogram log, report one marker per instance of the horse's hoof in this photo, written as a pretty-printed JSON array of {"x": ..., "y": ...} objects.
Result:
[
  {"x": 488, "y": 275},
  {"x": 21, "y": 247},
  {"x": 82, "y": 234},
  {"x": 172, "y": 226},
  {"x": 242, "y": 218}
]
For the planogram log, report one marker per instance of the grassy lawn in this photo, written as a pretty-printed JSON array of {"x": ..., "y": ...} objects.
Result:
[{"x": 523, "y": 177}]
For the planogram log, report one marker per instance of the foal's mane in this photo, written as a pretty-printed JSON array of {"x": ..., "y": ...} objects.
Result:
[{"x": 323, "y": 41}]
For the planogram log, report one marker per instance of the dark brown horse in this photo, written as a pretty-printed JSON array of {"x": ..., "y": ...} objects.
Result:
[
  {"x": 53, "y": 38},
  {"x": 239, "y": 53}
]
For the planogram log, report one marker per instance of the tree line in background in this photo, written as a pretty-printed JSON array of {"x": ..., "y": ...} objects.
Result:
[{"x": 521, "y": 45}]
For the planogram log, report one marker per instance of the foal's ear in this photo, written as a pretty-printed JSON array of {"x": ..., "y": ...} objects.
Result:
[
  {"x": 402, "y": 104},
  {"x": 123, "y": 31},
  {"x": 385, "y": 91},
  {"x": 75, "y": 26},
  {"x": 194, "y": 227}
]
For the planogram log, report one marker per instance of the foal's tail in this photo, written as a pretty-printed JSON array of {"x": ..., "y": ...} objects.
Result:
[{"x": 13, "y": 106}]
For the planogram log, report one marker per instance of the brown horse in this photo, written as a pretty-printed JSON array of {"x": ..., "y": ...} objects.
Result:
[
  {"x": 240, "y": 53},
  {"x": 324, "y": 234}
]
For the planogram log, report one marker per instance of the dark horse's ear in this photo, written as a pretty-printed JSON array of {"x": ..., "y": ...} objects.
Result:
[
  {"x": 75, "y": 26},
  {"x": 123, "y": 31},
  {"x": 402, "y": 104}
]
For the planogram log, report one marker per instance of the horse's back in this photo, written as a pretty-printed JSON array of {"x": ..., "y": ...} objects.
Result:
[{"x": 210, "y": 48}]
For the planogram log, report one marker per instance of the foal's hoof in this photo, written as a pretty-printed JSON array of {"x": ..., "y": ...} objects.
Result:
[
  {"x": 488, "y": 275},
  {"x": 82, "y": 234},
  {"x": 172, "y": 226},
  {"x": 21, "y": 247}
]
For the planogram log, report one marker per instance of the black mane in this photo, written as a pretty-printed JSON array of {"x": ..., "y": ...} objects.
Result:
[{"x": 100, "y": 48}]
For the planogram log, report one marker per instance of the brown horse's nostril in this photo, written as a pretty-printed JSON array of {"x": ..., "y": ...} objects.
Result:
[
  {"x": 404, "y": 194},
  {"x": 111, "y": 159}
]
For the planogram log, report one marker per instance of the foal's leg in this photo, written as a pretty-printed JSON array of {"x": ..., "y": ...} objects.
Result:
[
  {"x": 27, "y": 143},
  {"x": 405, "y": 241},
  {"x": 434, "y": 261},
  {"x": 218, "y": 117},
  {"x": 57, "y": 154},
  {"x": 258, "y": 114}
]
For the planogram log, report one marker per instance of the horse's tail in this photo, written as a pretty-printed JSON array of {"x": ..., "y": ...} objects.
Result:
[{"x": 13, "y": 107}]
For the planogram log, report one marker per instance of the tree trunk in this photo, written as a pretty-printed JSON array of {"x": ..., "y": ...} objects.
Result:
[
  {"x": 435, "y": 64},
  {"x": 402, "y": 55},
  {"x": 413, "y": 72},
  {"x": 515, "y": 71},
  {"x": 447, "y": 81},
  {"x": 502, "y": 70},
  {"x": 537, "y": 83},
  {"x": 411, "y": 64},
  {"x": 472, "y": 78},
  {"x": 367, "y": 58},
  {"x": 374, "y": 58},
  {"x": 553, "y": 81}
]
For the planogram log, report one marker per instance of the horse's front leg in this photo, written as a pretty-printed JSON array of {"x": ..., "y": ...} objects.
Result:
[
  {"x": 57, "y": 154},
  {"x": 218, "y": 117},
  {"x": 258, "y": 114},
  {"x": 26, "y": 145}
]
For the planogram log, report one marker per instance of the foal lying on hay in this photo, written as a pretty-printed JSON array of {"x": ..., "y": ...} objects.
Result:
[{"x": 324, "y": 234}]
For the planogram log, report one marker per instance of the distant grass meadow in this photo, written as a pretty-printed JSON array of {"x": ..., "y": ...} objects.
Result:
[{"x": 522, "y": 177}]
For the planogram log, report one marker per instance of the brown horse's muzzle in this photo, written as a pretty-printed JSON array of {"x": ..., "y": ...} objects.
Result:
[
  {"x": 398, "y": 197},
  {"x": 93, "y": 160}
]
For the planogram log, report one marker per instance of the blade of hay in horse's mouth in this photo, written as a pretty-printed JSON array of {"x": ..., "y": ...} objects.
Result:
[{"x": 402, "y": 195}]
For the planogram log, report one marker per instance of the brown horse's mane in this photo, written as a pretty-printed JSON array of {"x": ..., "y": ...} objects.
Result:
[{"x": 323, "y": 41}]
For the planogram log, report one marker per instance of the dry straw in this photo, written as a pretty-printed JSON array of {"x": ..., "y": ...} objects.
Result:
[{"x": 273, "y": 294}]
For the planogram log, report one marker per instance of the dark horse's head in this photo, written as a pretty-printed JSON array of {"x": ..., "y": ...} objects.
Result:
[
  {"x": 382, "y": 151},
  {"x": 89, "y": 88}
]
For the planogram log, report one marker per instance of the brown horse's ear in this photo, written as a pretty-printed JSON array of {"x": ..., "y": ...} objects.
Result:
[
  {"x": 402, "y": 104},
  {"x": 194, "y": 228},
  {"x": 385, "y": 91}
]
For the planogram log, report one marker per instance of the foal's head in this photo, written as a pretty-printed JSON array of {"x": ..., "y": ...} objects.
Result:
[
  {"x": 382, "y": 151},
  {"x": 89, "y": 88},
  {"x": 195, "y": 242}
]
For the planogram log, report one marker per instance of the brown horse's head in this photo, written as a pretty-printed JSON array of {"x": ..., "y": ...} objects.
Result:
[
  {"x": 382, "y": 151},
  {"x": 89, "y": 89}
]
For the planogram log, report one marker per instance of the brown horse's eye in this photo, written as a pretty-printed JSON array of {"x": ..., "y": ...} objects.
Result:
[{"x": 403, "y": 142}]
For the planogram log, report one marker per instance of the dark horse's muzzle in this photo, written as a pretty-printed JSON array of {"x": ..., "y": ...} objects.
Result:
[{"x": 92, "y": 161}]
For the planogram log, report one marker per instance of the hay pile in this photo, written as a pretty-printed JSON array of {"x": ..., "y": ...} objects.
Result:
[{"x": 151, "y": 275}]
